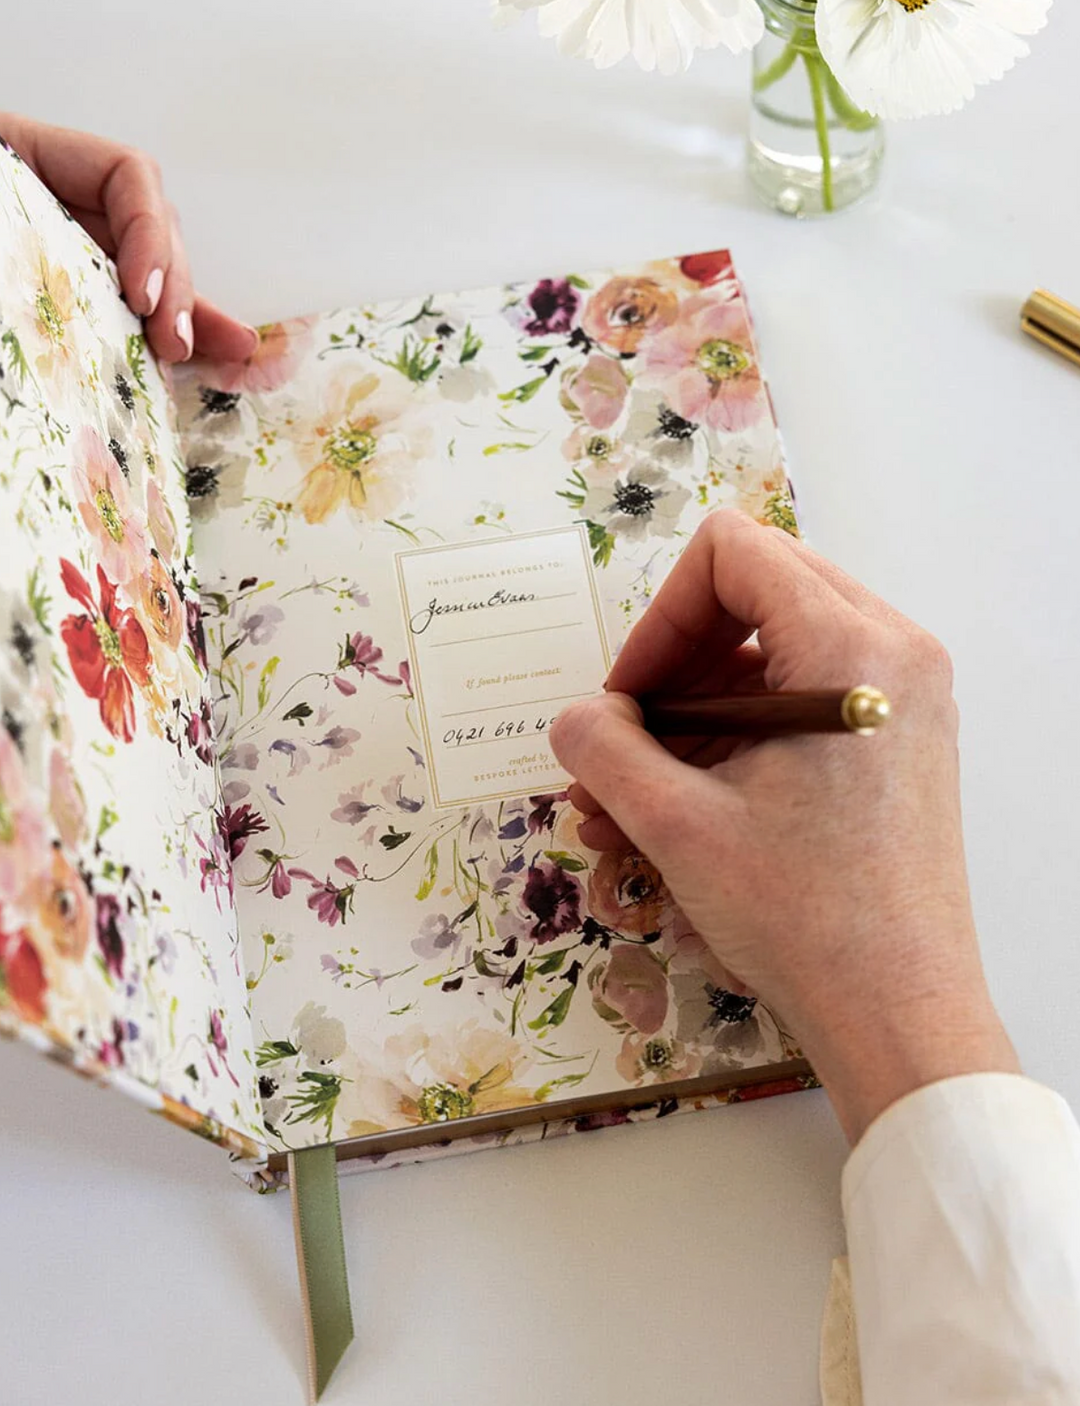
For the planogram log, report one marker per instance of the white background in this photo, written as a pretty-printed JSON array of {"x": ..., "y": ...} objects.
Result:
[{"x": 343, "y": 150}]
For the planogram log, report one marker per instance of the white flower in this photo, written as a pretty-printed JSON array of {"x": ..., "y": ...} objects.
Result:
[
  {"x": 642, "y": 503},
  {"x": 915, "y": 58},
  {"x": 321, "y": 1037},
  {"x": 660, "y": 34}
]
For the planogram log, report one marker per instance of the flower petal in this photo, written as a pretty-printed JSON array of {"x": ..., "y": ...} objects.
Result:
[
  {"x": 84, "y": 653},
  {"x": 76, "y": 585},
  {"x": 134, "y": 648},
  {"x": 117, "y": 705},
  {"x": 899, "y": 63}
]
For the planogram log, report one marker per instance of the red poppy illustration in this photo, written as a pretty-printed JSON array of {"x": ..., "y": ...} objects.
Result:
[
  {"x": 108, "y": 650},
  {"x": 24, "y": 976}
]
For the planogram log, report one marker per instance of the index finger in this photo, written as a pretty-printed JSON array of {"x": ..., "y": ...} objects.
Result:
[
  {"x": 735, "y": 577},
  {"x": 100, "y": 177}
]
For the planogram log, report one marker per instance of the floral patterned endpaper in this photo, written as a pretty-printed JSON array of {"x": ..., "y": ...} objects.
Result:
[
  {"x": 410, "y": 966},
  {"x": 118, "y": 942}
]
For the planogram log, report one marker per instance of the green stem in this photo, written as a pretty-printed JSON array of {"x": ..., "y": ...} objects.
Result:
[
  {"x": 776, "y": 70},
  {"x": 814, "y": 66},
  {"x": 854, "y": 118}
]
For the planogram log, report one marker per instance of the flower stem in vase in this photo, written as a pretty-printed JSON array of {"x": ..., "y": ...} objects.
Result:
[
  {"x": 814, "y": 66},
  {"x": 811, "y": 149},
  {"x": 777, "y": 69}
]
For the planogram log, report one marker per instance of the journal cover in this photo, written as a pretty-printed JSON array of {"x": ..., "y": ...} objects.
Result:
[{"x": 119, "y": 951}]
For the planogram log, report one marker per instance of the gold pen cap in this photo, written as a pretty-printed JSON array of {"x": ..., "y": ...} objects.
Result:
[
  {"x": 1053, "y": 322},
  {"x": 865, "y": 709}
]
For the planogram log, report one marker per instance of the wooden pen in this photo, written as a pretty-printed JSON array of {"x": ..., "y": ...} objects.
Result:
[{"x": 860, "y": 710}]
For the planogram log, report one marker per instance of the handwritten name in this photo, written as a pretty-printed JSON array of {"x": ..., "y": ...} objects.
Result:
[{"x": 423, "y": 618}]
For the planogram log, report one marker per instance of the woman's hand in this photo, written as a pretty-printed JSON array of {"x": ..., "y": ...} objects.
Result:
[
  {"x": 115, "y": 193},
  {"x": 827, "y": 873}
]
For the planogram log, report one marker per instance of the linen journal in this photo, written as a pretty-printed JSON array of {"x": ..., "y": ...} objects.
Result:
[{"x": 284, "y": 851}]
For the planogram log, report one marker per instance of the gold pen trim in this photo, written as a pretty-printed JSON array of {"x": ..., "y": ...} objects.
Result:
[{"x": 1053, "y": 322}]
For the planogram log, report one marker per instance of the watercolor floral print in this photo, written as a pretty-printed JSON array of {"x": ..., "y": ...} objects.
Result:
[
  {"x": 110, "y": 952},
  {"x": 410, "y": 966},
  {"x": 221, "y": 875}
]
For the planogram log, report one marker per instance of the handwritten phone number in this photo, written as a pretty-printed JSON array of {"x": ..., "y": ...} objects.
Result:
[{"x": 486, "y": 732}]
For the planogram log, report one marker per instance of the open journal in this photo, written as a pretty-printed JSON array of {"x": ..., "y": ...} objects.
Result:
[{"x": 284, "y": 852}]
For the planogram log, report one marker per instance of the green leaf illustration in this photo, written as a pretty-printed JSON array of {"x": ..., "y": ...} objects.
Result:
[
  {"x": 566, "y": 861},
  {"x": 521, "y": 394},
  {"x": 470, "y": 345},
  {"x": 316, "y": 1100},
  {"x": 602, "y": 543},
  {"x": 431, "y": 868},
  {"x": 270, "y": 1051},
  {"x": 556, "y": 1013},
  {"x": 266, "y": 679},
  {"x": 564, "y": 1081},
  {"x": 16, "y": 356}
]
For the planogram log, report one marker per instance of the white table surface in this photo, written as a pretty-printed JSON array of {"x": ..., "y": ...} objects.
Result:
[{"x": 350, "y": 149}]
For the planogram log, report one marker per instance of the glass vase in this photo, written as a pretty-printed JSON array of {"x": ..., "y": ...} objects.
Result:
[{"x": 811, "y": 150}]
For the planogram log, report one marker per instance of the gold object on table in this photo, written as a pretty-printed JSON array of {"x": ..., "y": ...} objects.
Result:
[
  {"x": 1053, "y": 322},
  {"x": 864, "y": 709}
]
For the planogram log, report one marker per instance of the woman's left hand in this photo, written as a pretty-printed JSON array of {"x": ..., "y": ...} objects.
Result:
[{"x": 115, "y": 193}]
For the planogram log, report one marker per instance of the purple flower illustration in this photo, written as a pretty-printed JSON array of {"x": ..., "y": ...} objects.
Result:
[
  {"x": 338, "y": 742},
  {"x": 553, "y": 305},
  {"x": 259, "y": 626},
  {"x": 352, "y": 808},
  {"x": 329, "y": 902},
  {"x": 360, "y": 652},
  {"x": 108, "y": 933},
  {"x": 200, "y": 734},
  {"x": 438, "y": 937},
  {"x": 553, "y": 897},
  {"x": 196, "y": 637},
  {"x": 237, "y": 825},
  {"x": 542, "y": 815}
]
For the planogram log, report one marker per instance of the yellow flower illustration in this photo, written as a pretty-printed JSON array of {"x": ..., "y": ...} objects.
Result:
[
  {"x": 360, "y": 450},
  {"x": 45, "y": 320},
  {"x": 424, "y": 1077}
]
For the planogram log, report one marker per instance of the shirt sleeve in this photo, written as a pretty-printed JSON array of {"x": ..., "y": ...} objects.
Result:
[{"x": 962, "y": 1204}]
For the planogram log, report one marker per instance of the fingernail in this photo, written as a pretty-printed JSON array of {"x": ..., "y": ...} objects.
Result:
[
  {"x": 184, "y": 330},
  {"x": 154, "y": 284}
]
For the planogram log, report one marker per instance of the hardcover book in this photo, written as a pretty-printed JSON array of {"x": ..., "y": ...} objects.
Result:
[{"x": 284, "y": 852}]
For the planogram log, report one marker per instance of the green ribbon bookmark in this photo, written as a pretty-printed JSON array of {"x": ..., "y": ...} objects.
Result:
[{"x": 320, "y": 1256}]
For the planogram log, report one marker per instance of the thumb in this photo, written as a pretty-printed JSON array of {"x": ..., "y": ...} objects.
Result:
[{"x": 649, "y": 794}]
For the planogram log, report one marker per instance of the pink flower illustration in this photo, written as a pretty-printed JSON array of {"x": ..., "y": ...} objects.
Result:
[
  {"x": 117, "y": 527},
  {"x": 360, "y": 652},
  {"x": 330, "y": 902},
  {"x": 631, "y": 991},
  {"x": 704, "y": 364},
  {"x": 160, "y": 519},
  {"x": 23, "y": 851},
  {"x": 281, "y": 346},
  {"x": 598, "y": 390}
]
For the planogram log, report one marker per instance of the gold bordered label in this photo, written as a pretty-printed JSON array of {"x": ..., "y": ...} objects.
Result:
[{"x": 503, "y": 634}]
